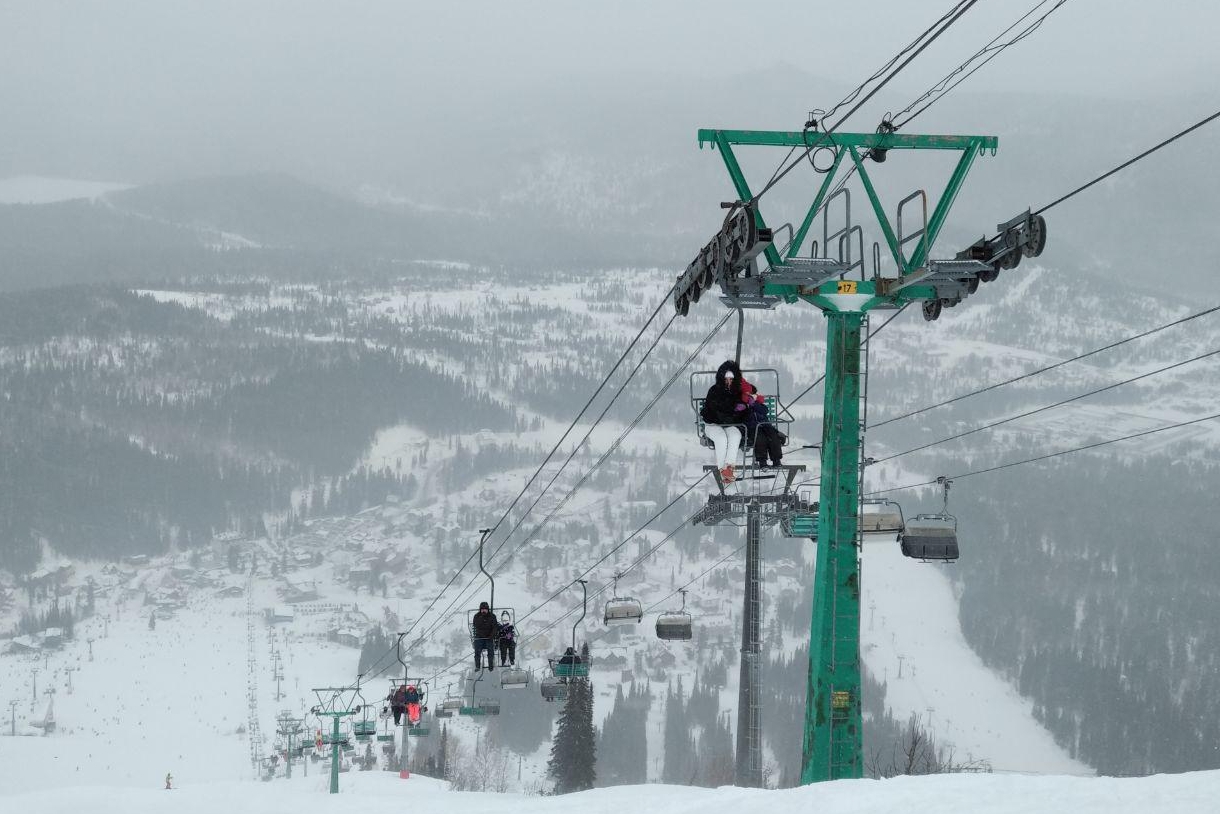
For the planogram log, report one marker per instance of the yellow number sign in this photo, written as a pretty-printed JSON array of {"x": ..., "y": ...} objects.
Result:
[{"x": 847, "y": 287}]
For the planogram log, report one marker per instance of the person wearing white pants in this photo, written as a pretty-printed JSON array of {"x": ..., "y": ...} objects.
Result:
[
  {"x": 726, "y": 440},
  {"x": 723, "y": 408}
]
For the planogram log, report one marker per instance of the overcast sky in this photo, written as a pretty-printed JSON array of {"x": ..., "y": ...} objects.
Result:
[{"x": 128, "y": 88}]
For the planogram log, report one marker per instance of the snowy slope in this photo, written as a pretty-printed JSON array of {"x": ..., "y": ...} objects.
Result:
[
  {"x": 909, "y": 611},
  {"x": 376, "y": 792}
]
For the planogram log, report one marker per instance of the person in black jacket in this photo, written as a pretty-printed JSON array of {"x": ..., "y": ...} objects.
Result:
[
  {"x": 723, "y": 414},
  {"x": 398, "y": 703},
  {"x": 483, "y": 629},
  {"x": 760, "y": 432}
]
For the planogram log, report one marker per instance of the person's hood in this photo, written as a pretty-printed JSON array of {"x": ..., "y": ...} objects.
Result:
[{"x": 728, "y": 364}]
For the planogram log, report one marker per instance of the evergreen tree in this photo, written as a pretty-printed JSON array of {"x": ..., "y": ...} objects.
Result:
[
  {"x": 574, "y": 749},
  {"x": 442, "y": 755},
  {"x": 622, "y": 752},
  {"x": 680, "y": 760}
]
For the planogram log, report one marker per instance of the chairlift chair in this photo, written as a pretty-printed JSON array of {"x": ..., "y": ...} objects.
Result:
[
  {"x": 881, "y": 517},
  {"x": 450, "y": 705},
  {"x": 385, "y": 736},
  {"x": 473, "y": 706},
  {"x": 932, "y": 536},
  {"x": 675, "y": 625},
  {"x": 579, "y": 668},
  {"x": 495, "y": 612},
  {"x": 572, "y": 664},
  {"x": 514, "y": 678},
  {"x": 765, "y": 379},
  {"x": 553, "y": 689},
  {"x": 622, "y": 610}
]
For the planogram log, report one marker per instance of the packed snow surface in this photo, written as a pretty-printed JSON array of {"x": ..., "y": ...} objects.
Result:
[{"x": 376, "y": 792}]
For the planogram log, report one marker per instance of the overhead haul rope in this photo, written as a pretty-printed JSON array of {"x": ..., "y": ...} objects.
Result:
[
  {"x": 1050, "y": 455},
  {"x": 822, "y": 115},
  {"x": 579, "y": 444},
  {"x": 1044, "y": 408},
  {"x": 593, "y": 595},
  {"x": 551, "y": 454},
  {"x": 464, "y": 593},
  {"x": 987, "y": 53},
  {"x": 1129, "y": 162},
  {"x": 1041, "y": 370},
  {"x": 703, "y": 574},
  {"x": 928, "y": 36}
]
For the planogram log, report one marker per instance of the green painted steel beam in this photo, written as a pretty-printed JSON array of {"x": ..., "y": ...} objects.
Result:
[
  {"x": 799, "y": 237},
  {"x": 833, "y": 747},
  {"x": 886, "y": 141},
  {"x": 941, "y": 211},
  {"x": 890, "y": 238},
  {"x": 743, "y": 192}
]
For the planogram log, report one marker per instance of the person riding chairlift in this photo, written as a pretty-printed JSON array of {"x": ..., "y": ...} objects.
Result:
[
  {"x": 485, "y": 630},
  {"x": 398, "y": 703},
  {"x": 723, "y": 414},
  {"x": 508, "y": 640},
  {"x": 761, "y": 434},
  {"x": 411, "y": 695}
]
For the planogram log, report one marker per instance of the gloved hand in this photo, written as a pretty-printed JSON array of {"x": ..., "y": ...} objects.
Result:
[{"x": 740, "y": 407}]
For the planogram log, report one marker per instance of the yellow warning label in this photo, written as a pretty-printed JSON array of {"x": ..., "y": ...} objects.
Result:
[
  {"x": 847, "y": 287},
  {"x": 840, "y": 699}
]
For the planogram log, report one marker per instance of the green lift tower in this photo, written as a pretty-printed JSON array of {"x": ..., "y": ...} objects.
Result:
[{"x": 752, "y": 271}]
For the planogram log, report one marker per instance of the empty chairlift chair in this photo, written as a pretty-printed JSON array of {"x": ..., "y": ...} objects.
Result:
[
  {"x": 622, "y": 610},
  {"x": 932, "y": 536},
  {"x": 881, "y": 517},
  {"x": 675, "y": 625},
  {"x": 514, "y": 678},
  {"x": 450, "y": 705},
  {"x": 553, "y": 689}
]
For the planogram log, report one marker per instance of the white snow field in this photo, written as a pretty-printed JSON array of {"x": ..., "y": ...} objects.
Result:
[
  {"x": 909, "y": 611},
  {"x": 377, "y": 792}
]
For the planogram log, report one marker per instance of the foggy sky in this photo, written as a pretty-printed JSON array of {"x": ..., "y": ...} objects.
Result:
[{"x": 151, "y": 90}]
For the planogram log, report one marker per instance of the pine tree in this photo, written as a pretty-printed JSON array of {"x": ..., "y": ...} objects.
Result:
[
  {"x": 574, "y": 749},
  {"x": 442, "y": 756},
  {"x": 679, "y": 746}
]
